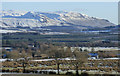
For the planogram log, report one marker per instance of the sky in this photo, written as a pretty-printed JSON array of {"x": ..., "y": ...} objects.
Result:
[
  {"x": 60, "y": 0},
  {"x": 105, "y": 10}
]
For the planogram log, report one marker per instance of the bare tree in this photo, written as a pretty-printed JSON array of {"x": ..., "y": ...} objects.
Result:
[
  {"x": 81, "y": 58},
  {"x": 25, "y": 60},
  {"x": 57, "y": 53}
]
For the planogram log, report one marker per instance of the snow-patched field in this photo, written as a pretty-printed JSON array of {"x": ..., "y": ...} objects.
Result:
[
  {"x": 54, "y": 59},
  {"x": 8, "y": 31}
]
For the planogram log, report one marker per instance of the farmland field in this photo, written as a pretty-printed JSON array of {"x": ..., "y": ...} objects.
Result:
[
  {"x": 80, "y": 39},
  {"x": 30, "y": 75},
  {"x": 58, "y": 75}
]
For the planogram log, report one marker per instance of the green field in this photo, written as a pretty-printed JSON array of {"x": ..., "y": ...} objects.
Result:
[{"x": 81, "y": 39}]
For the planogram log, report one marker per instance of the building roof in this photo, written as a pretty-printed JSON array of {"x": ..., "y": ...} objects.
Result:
[{"x": 93, "y": 54}]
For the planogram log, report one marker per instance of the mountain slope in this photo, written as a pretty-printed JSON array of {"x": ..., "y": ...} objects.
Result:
[{"x": 38, "y": 19}]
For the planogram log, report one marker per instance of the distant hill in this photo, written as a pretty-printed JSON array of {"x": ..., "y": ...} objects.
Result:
[{"x": 60, "y": 18}]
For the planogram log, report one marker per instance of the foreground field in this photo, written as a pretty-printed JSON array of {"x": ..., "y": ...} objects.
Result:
[
  {"x": 30, "y": 75},
  {"x": 58, "y": 75}
]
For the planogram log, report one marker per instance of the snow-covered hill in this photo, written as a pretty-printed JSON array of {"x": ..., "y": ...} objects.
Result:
[{"x": 37, "y": 19}]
